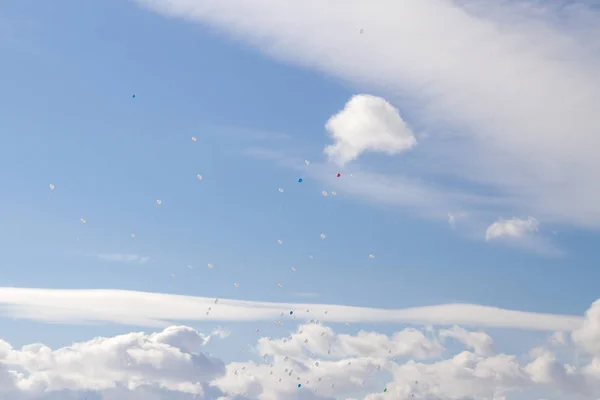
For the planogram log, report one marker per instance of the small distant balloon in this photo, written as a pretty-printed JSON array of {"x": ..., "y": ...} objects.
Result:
[
  {"x": 133, "y": 235},
  {"x": 190, "y": 266},
  {"x": 279, "y": 241},
  {"x": 159, "y": 202},
  {"x": 210, "y": 266},
  {"x": 300, "y": 180},
  {"x": 199, "y": 176},
  {"x": 338, "y": 175},
  {"x": 133, "y": 96},
  {"x": 299, "y": 385},
  {"x": 193, "y": 138},
  {"x": 83, "y": 221},
  {"x": 334, "y": 193},
  {"x": 306, "y": 162},
  {"x": 291, "y": 312},
  {"x": 280, "y": 285},
  {"x": 324, "y": 193},
  {"x": 172, "y": 275},
  {"x": 371, "y": 256},
  {"x": 237, "y": 285},
  {"x": 293, "y": 269},
  {"x": 51, "y": 186},
  {"x": 323, "y": 236},
  {"x": 280, "y": 190}
]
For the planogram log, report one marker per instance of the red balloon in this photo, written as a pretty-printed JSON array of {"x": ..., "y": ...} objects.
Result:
[{"x": 338, "y": 175}]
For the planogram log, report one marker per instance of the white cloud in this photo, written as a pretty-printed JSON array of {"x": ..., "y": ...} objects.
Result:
[
  {"x": 171, "y": 365},
  {"x": 506, "y": 91},
  {"x": 511, "y": 228},
  {"x": 153, "y": 309},
  {"x": 480, "y": 342},
  {"x": 367, "y": 123},
  {"x": 124, "y": 258}
]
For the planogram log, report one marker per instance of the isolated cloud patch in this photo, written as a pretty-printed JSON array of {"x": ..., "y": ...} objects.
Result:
[
  {"x": 367, "y": 123},
  {"x": 512, "y": 228}
]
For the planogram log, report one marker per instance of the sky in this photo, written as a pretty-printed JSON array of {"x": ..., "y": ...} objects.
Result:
[{"x": 223, "y": 200}]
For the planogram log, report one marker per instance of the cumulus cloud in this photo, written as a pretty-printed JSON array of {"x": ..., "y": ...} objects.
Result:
[
  {"x": 511, "y": 228},
  {"x": 412, "y": 363},
  {"x": 367, "y": 123},
  {"x": 504, "y": 90},
  {"x": 154, "y": 309},
  {"x": 124, "y": 258}
]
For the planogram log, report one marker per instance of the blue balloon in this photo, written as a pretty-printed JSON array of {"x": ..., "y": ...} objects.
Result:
[
  {"x": 299, "y": 385},
  {"x": 300, "y": 180},
  {"x": 291, "y": 312}
]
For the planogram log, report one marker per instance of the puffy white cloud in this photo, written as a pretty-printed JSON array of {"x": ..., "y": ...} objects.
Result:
[
  {"x": 481, "y": 342},
  {"x": 511, "y": 228},
  {"x": 124, "y": 258},
  {"x": 367, "y": 123},
  {"x": 154, "y": 309},
  {"x": 504, "y": 90},
  {"x": 588, "y": 336}
]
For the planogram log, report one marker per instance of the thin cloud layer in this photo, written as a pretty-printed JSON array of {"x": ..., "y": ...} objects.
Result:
[
  {"x": 505, "y": 91},
  {"x": 172, "y": 364},
  {"x": 367, "y": 123},
  {"x": 124, "y": 258},
  {"x": 154, "y": 309}
]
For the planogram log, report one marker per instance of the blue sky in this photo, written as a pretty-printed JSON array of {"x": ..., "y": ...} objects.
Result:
[{"x": 69, "y": 119}]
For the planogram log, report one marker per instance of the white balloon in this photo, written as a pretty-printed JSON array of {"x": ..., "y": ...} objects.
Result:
[
  {"x": 323, "y": 236},
  {"x": 51, "y": 186}
]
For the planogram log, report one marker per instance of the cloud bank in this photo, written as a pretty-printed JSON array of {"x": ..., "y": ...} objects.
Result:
[{"x": 411, "y": 363}]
